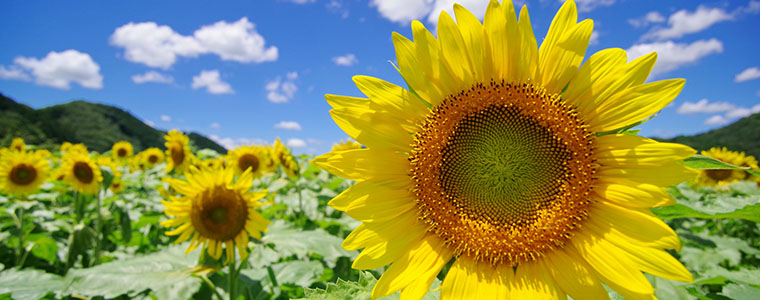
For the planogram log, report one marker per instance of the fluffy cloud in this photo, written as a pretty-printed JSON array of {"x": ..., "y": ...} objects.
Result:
[
  {"x": 212, "y": 81},
  {"x": 232, "y": 143},
  {"x": 704, "y": 106},
  {"x": 716, "y": 120},
  {"x": 402, "y": 11},
  {"x": 649, "y": 18},
  {"x": 149, "y": 123},
  {"x": 166, "y": 118},
  {"x": 215, "y": 125},
  {"x": 589, "y": 5},
  {"x": 57, "y": 69},
  {"x": 671, "y": 55},
  {"x": 13, "y": 72},
  {"x": 684, "y": 22},
  {"x": 741, "y": 112},
  {"x": 279, "y": 91},
  {"x": 296, "y": 143},
  {"x": 476, "y": 7},
  {"x": 288, "y": 125},
  {"x": 748, "y": 74},
  {"x": 152, "y": 76},
  {"x": 159, "y": 46},
  {"x": 345, "y": 60},
  {"x": 594, "y": 39}
]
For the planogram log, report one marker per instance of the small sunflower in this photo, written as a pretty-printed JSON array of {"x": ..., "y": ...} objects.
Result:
[
  {"x": 723, "y": 177},
  {"x": 212, "y": 163},
  {"x": 349, "y": 144},
  {"x": 23, "y": 172},
  {"x": 178, "y": 155},
  {"x": 117, "y": 185},
  {"x": 122, "y": 150},
  {"x": 248, "y": 157},
  {"x": 152, "y": 157},
  {"x": 498, "y": 161},
  {"x": 18, "y": 145},
  {"x": 81, "y": 173},
  {"x": 215, "y": 210},
  {"x": 285, "y": 159},
  {"x": 68, "y": 148}
]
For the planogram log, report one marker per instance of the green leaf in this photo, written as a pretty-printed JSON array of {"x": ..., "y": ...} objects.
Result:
[
  {"x": 754, "y": 172},
  {"x": 751, "y": 213},
  {"x": 701, "y": 162},
  {"x": 167, "y": 273},
  {"x": 669, "y": 289},
  {"x": 289, "y": 240},
  {"x": 740, "y": 292},
  {"x": 301, "y": 273},
  {"x": 43, "y": 247},
  {"x": 29, "y": 283},
  {"x": 711, "y": 204},
  {"x": 362, "y": 289}
]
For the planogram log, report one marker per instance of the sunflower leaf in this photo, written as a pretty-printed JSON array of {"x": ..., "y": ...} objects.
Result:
[
  {"x": 289, "y": 240},
  {"x": 701, "y": 162},
  {"x": 362, "y": 289},
  {"x": 29, "y": 283},
  {"x": 166, "y": 273},
  {"x": 740, "y": 292},
  {"x": 297, "y": 272}
]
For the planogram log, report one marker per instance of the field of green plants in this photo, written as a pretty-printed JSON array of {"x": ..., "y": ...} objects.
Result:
[{"x": 72, "y": 252}]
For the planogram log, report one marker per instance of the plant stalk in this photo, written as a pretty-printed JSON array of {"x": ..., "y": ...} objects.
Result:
[{"x": 232, "y": 280}]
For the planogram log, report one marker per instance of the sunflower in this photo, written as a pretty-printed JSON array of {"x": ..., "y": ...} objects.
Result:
[
  {"x": 270, "y": 162},
  {"x": 152, "y": 157},
  {"x": 497, "y": 157},
  {"x": 81, "y": 173},
  {"x": 212, "y": 163},
  {"x": 117, "y": 185},
  {"x": 178, "y": 154},
  {"x": 283, "y": 157},
  {"x": 214, "y": 210},
  {"x": 347, "y": 145},
  {"x": 23, "y": 172},
  {"x": 248, "y": 157},
  {"x": 122, "y": 150},
  {"x": 67, "y": 147},
  {"x": 726, "y": 176},
  {"x": 17, "y": 144}
]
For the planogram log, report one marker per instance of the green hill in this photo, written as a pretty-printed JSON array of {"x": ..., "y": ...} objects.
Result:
[
  {"x": 742, "y": 135},
  {"x": 96, "y": 125}
]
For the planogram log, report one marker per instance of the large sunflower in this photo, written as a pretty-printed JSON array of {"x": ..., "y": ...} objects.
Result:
[
  {"x": 214, "y": 210},
  {"x": 81, "y": 173},
  {"x": 23, "y": 172},
  {"x": 122, "y": 150},
  {"x": 248, "y": 157},
  {"x": 496, "y": 157},
  {"x": 178, "y": 155},
  {"x": 722, "y": 177}
]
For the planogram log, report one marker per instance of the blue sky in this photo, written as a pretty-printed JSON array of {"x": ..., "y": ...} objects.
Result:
[{"x": 249, "y": 71}]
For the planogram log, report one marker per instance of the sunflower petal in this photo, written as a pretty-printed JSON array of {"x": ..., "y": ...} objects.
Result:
[
  {"x": 428, "y": 256},
  {"x": 391, "y": 98},
  {"x": 632, "y": 194},
  {"x": 374, "y": 200},
  {"x": 630, "y": 151},
  {"x": 637, "y": 225},
  {"x": 528, "y": 51},
  {"x": 468, "y": 279},
  {"x": 362, "y": 164},
  {"x": 574, "y": 275},
  {"x": 583, "y": 85},
  {"x": 566, "y": 57},
  {"x": 611, "y": 263},
  {"x": 474, "y": 38},
  {"x": 373, "y": 129},
  {"x": 565, "y": 19},
  {"x": 635, "y": 104},
  {"x": 532, "y": 281},
  {"x": 665, "y": 175},
  {"x": 455, "y": 54}
]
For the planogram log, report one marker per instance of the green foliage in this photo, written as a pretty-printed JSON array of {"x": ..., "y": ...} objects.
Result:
[
  {"x": 361, "y": 289},
  {"x": 742, "y": 135},
  {"x": 743, "y": 202},
  {"x": 29, "y": 283},
  {"x": 701, "y": 162}
]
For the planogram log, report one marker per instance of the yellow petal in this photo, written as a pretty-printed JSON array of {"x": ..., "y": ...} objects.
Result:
[
  {"x": 338, "y": 101},
  {"x": 637, "y": 225},
  {"x": 532, "y": 281},
  {"x": 429, "y": 256},
  {"x": 362, "y": 164},
  {"x": 373, "y": 129},
  {"x": 610, "y": 262},
  {"x": 632, "y": 194},
  {"x": 175, "y": 221},
  {"x": 419, "y": 287},
  {"x": 656, "y": 262},
  {"x": 666, "y": 175},
  {"x": 621, "y": 77},
  {"x": 574, "y": 275},
  {"x": 388, "y": 244},
  {"x": 391, "y": 98},
  {"x": 475, "y": 40},
  {"x": 528, "y": 60},
  {"x": 412, "y": 71},
  {"x": 565, "y": 19},
  {"x": 634, "y": 104},
  {"x": 455, "y": 55},
  {"x": 426, "y": 53},
  {"x": 582, "y": 86},
  {"x": 468, "y": 279},
  {"x": 375, "y": 200},
  {"x": 566, "y": 57},
  {"x": 501, "y": 34},
  {"x": 630, "y": 151}
]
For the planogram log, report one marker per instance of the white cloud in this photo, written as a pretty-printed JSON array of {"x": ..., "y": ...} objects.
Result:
[
  {"x": 232, "y": 143},
  {"x": 149, "y": 123},
  {"x": 402, "y": 11},
  {"x": 13, "y": 72},
  {"x": 345, "y": 60},
  {"x": 166, "y": 118},
  {"x": 476, "y": 7},
  {"x": 60, "y": 69},
  {"x": 716, "y": 120},
  {"x": 594, "y": 38},
  {"x": 741, "y": 112},
  {"x": 288, "y": 125},
  {"x": 650, "y": 18},
  {"x": 212, "y": 81},
  {"x": 752, "y": 7},
  {"x": 671, "y": 56},
  {"x": 159, "y": 46},
  {"x": 748, "y": 74},
  {"x": 152, "y": 76},
  {"x": 296, "y": 143},
  {"x": 684, "y": 22},
  {"x": 215, "y": 125},
  {"x": 335, "y": 6},
  {"x": 589, "y": 5},
  {"x": 704, "y": 106},
  {"x": 280, "y": 91}
]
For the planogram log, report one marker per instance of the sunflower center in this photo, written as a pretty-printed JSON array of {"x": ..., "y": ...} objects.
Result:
[
  {"x": 503, "y": 172},
  {"x": 248, "y": 161},
  {"x": 83, "y": 172},
  {"x": 719, "y": 174},
  {"x": 178, "y": 154},
  {"x": 122, "y": 152},
  {"x": 23, "y": 174},
  {"x": 219, "y": 213},
  {"x": 154, "y": 158}
]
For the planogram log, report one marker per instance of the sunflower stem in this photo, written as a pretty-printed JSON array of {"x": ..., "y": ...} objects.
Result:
[
  {"x": 20, "y": 225},
  {"x": 99, "y": 229},
  {"x": 300, "y": 197},
  {"x": 212, "y": 286},
  {"x": 232, "y": 280},
  {"x": 70, "y": 256}
]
